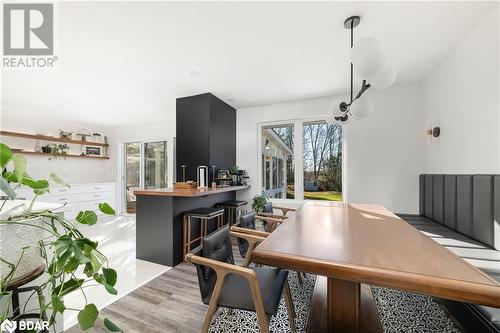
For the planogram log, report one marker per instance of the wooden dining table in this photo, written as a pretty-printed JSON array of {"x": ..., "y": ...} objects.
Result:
[{"x": 354, "y": 244}]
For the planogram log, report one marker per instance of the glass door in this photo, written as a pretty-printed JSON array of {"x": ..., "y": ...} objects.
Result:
[
  {"x": 155, "y": 165},
  {"x": 145, "y": 168},
  {"x": 132, "y": 174}
]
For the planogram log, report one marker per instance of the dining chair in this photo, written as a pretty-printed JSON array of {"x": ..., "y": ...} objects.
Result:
[
  {"x": 268, "y": 210},
  {"x": 271, "y": 220},
  {"x": 224, "y": 284},
  {"x": 247, "y": 225}
]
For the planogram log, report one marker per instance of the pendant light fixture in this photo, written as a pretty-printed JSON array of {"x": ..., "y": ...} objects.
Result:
[{"x": 370, "y": 63}]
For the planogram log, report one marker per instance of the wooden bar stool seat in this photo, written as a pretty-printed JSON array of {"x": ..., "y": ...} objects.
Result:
[
  {"x": 192, "y": 234},
  {"x": 232, "y": 210},
  {"x": 16, "y": 287}
]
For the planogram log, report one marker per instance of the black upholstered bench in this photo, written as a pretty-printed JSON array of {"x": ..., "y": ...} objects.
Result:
[{"x": 462, "y": 213}]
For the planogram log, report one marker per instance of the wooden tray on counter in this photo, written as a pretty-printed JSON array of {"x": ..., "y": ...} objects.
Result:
[{"x": 185, "y": 185}]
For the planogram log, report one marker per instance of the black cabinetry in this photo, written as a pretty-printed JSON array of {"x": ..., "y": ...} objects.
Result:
[{"x": 206, "y": 134}]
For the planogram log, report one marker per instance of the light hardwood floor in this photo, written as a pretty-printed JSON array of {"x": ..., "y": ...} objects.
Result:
[{"x": 169, "y": 303}]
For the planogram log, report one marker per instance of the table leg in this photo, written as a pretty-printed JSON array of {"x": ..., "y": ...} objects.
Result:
[{"x": 344, "y": 299}]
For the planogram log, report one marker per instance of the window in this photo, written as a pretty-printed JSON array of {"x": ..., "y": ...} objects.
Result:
[
  {"x": 322, "y": 155},
  {"x": 155, "y": 167},
  {"x": 268, "y": 173},
  {"x": 278, "y": 162},
  {"x": 315, "y": 161},
  {"x": 132, "y": 174},
  {"x": 145, "y": 168}
]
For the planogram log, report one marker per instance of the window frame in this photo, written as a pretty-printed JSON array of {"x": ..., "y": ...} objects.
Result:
[{"x": 298, "y": 154}]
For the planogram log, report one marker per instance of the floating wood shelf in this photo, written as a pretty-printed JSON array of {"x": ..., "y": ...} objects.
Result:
[
  {"x": 67, "y": 155},
  {"x": 51, "y": 138}
]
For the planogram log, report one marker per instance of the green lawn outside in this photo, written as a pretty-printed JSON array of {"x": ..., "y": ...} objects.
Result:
[
  {"x": 326, "y": 195},
  {"x": 330, "y": 196}
]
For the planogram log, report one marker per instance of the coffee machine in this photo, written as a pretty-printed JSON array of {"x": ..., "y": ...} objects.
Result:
[
  {"x": 241, "y": 178},
  {"x": 223, "y": 178}
]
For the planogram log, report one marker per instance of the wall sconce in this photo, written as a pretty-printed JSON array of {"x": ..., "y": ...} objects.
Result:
[{"x": 435, "y": 132}]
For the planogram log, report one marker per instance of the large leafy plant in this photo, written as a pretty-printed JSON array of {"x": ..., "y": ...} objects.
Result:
[{"x": 66, "y": 251}]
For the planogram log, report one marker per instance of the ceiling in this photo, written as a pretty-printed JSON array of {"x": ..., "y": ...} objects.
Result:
[{"x": 126, "y": 62}]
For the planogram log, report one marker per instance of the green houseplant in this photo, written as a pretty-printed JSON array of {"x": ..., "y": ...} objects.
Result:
[
  {"x": 59, "y": 149},
  {"x": 67, "y": 254},
  {"x": 258, "y": 203},
  {"x": 233, "y": 171}
]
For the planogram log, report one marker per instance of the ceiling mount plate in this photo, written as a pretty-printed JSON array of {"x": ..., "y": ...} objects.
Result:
[{"x": 352, "y": 21}]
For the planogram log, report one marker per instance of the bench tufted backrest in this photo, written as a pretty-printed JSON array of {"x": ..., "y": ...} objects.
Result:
[{"x": 469, "y": 204}]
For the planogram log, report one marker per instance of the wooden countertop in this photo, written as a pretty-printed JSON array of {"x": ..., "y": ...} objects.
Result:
[
  {"x": 189, "y": 193},
  {"x": 369, "y": 244}
]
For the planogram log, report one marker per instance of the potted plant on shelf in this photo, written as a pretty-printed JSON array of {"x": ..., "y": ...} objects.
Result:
[
  {"x": 39, "y": 236},
  {"x": 59, "y": 149},
  {"x": 234, "y": 175},
  {"x": 46, "y": 149},
  {"x": 259, "y": 201}
]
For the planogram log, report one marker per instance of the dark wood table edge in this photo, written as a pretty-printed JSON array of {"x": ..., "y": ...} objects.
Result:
[{"x": 483, "y": 294}]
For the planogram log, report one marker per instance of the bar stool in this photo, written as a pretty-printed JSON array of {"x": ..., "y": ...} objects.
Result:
[
  {"x": 15, "y": 288},
  {"x": 232, "y": 210},
  {"x": 204, "y": 215}
]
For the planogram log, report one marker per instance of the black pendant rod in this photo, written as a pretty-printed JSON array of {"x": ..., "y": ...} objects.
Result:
[
  {"x": 351, "y": 23},
  {"x": 352, "y": 43}
]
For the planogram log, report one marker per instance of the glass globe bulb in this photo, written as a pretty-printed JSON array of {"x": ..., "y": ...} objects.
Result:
[
  {"x": 361, "y": 107},
  {"x": 347, "y": 121},
  {"x": 385, "y": 78},
  {"x": 368, "y": 58},
  {"x": 335, "y": 110}
]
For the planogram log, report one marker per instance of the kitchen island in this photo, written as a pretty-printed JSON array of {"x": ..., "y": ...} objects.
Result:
[{"x": 159, "y": 219}]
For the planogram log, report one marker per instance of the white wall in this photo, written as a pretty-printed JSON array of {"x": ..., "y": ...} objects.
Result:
[
  {"x": 72, "y": 170},
  {"x": 76, "y": 170},
  {"x": 162, "y": 130},
  {"x": 461, "y": 95},
  {"x": 383, "y": 151}
]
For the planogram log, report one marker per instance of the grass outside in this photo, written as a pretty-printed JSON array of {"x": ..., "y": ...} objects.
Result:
[{"x": 325, "y": 195}]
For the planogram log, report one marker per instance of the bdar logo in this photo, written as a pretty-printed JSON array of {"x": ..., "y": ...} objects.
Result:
[
  {"x": 28, "y": 29},
  {"x": 8, "y": 326}
]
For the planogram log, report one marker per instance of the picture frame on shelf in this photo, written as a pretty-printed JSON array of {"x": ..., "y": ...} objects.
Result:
[{"x": 93, "y": 151}]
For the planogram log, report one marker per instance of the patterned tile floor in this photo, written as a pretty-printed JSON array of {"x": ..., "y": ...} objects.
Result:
[
  {"x": 245, "y": 321},
  {"x": 400, "y": 312}
]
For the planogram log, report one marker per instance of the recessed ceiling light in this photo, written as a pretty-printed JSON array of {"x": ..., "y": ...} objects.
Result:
[{"x": 194, "y": 73}]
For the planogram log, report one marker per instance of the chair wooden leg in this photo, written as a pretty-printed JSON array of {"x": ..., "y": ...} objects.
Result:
[
  {"x": 248, "y": 255},
  {"x": 259, "y": 307},
  {"x": 299, "y": 278},
  {"x": 212, "y": 306},
  {"x": 289, "y": 307},
  {"x": 208, "y": 318}
]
